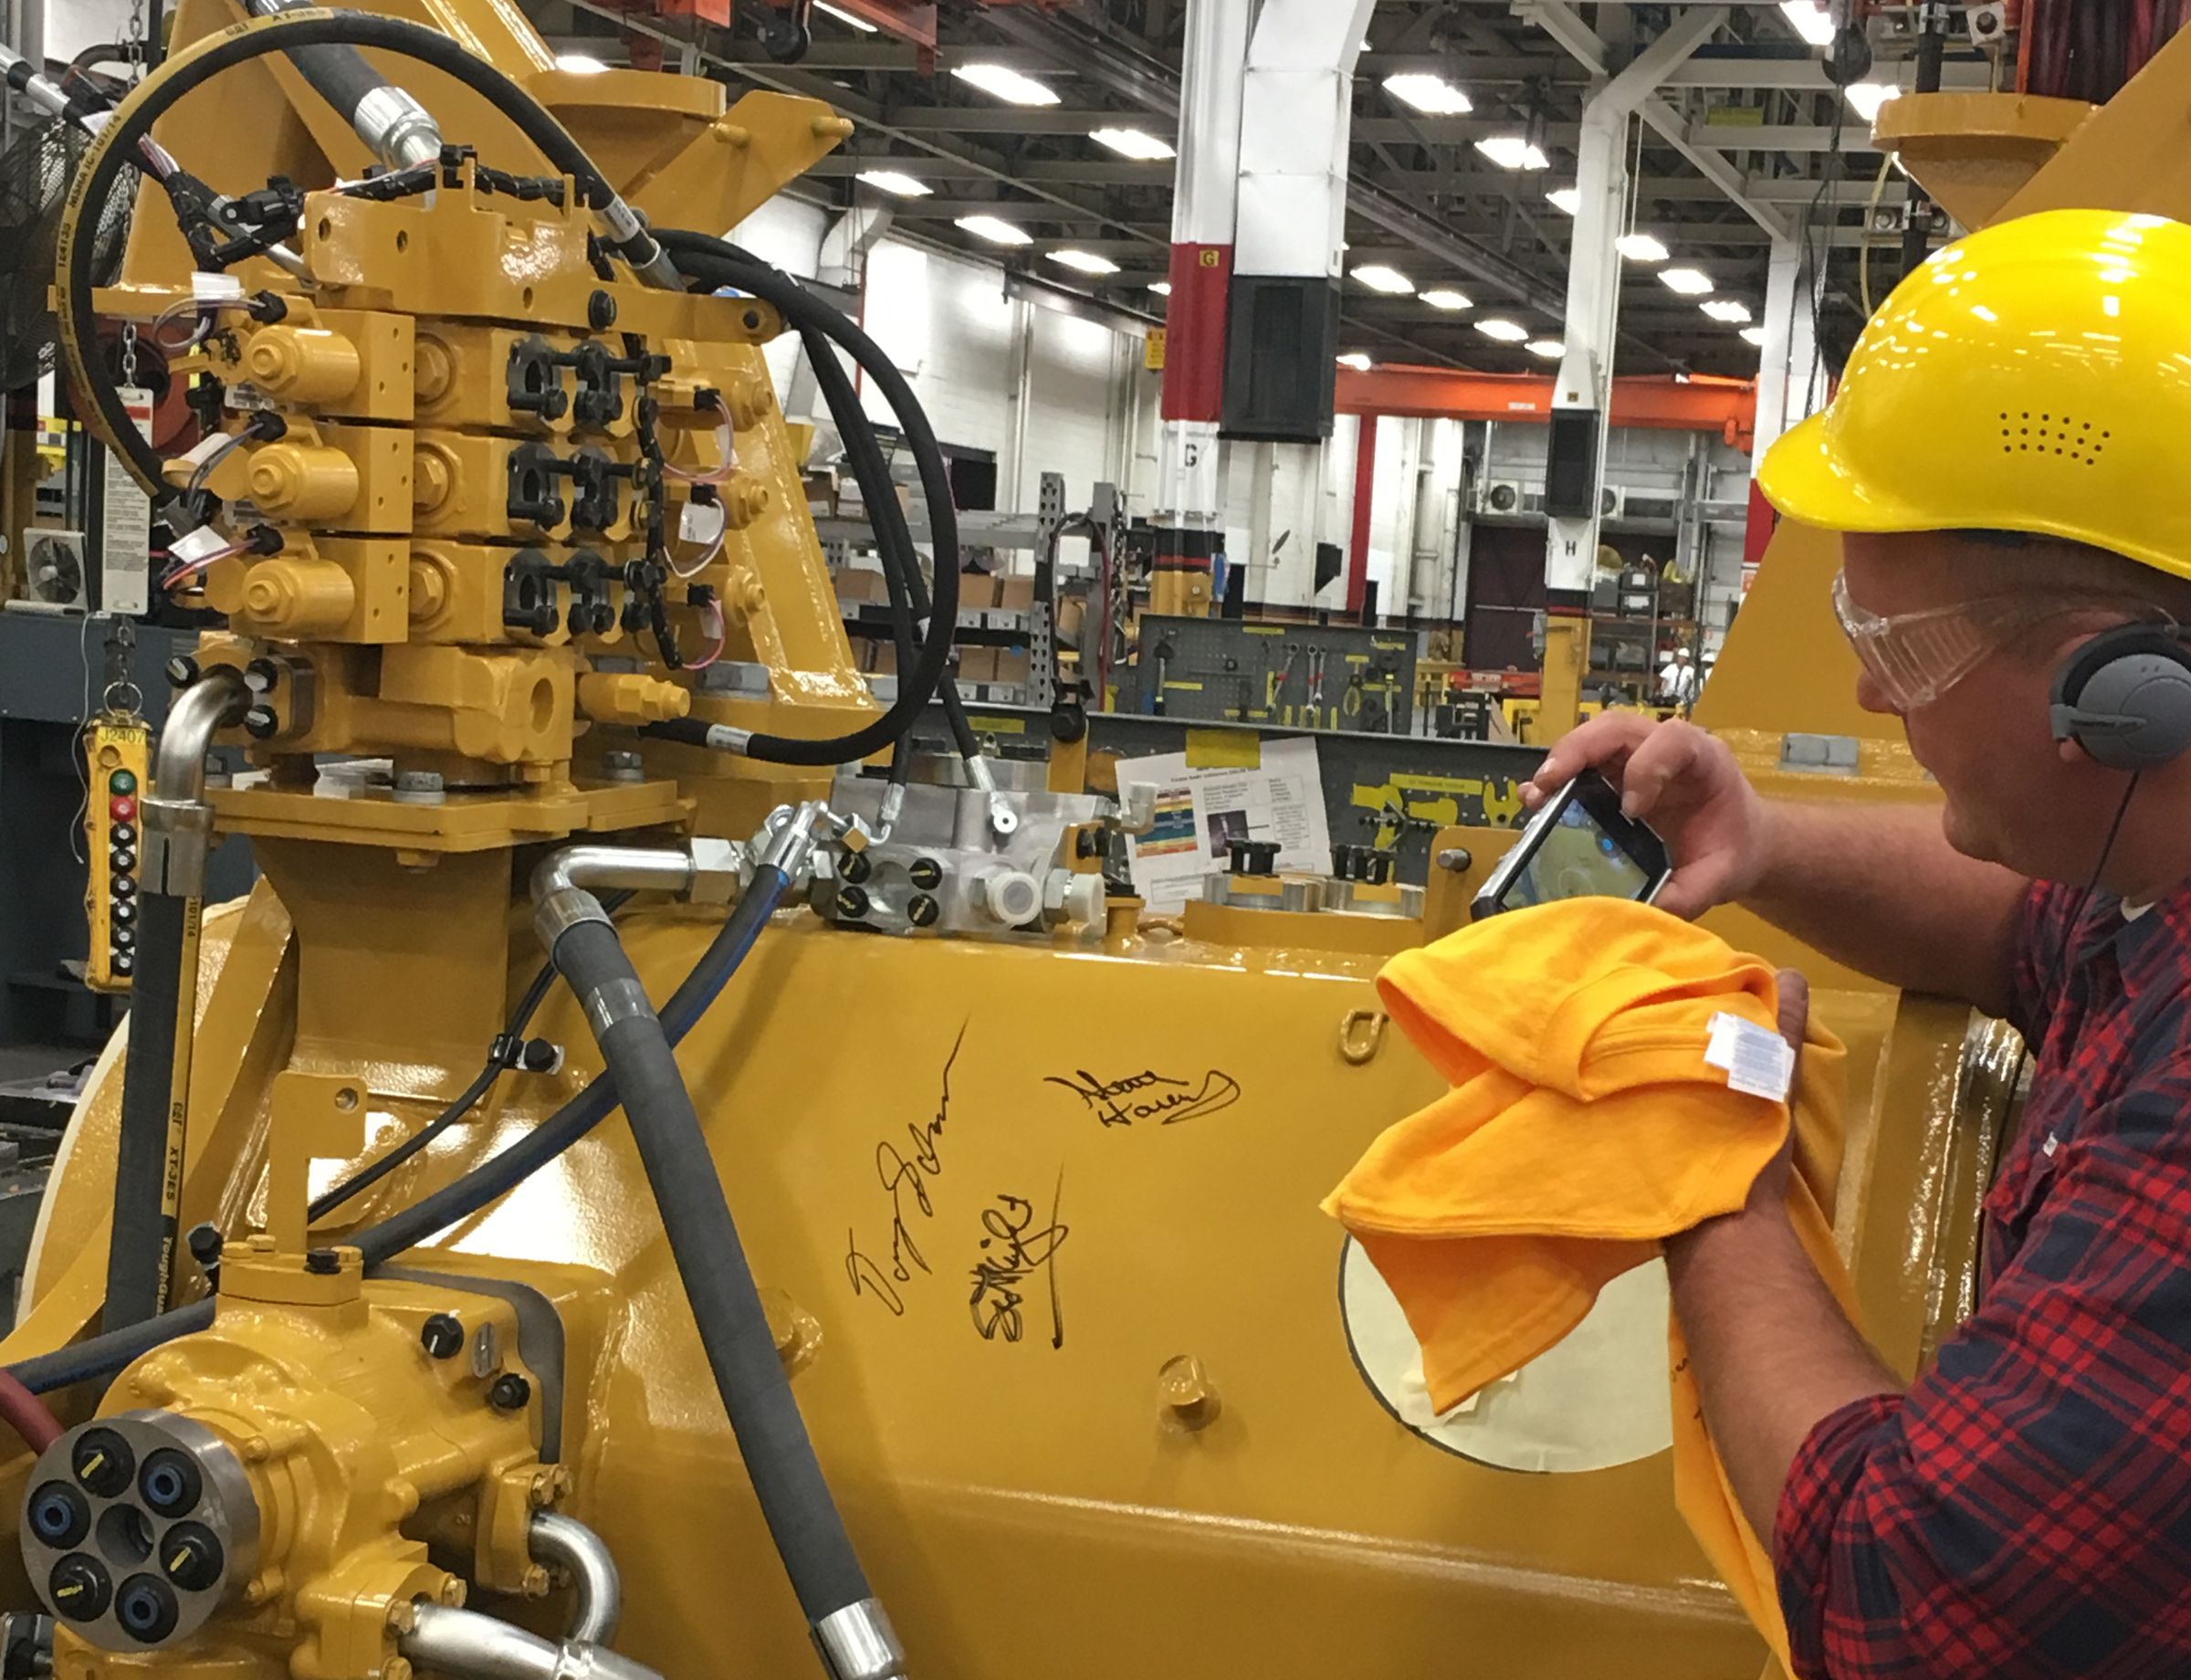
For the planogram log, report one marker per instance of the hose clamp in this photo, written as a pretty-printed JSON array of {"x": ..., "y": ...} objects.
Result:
[
  {"x": 859, "y": 1643},
  {"x": 615, "y": 1002},
  {"x": 563, "y": 910}
]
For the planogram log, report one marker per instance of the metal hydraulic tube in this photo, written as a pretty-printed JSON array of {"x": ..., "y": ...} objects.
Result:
[
  {"x": 466, "y": 1645},
  {"x": 177, "y": 824},
  {"x": 565, "y": 1540}
]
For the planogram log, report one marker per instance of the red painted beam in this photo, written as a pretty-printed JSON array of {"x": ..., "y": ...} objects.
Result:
[
  {"x": 1696, "y": 403},
  {"x": 1365, "y": 489}
]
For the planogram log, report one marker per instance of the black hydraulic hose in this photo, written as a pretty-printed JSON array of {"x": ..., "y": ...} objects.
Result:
[
  {"x": 712, "y": 263},
  {"x": 103, "y": 1355},
  {"x": 772, "y": 1441},
  {"x": 116, "y": 145},
  {"x": 140, "y": 1245},
  {"x": 894, "y": 538}
]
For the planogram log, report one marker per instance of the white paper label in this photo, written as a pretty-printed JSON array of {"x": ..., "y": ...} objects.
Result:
[
  {"x": 1757, "y": 1061},
  {"x": 125, "y": 537},
  {"x": 215, "y": 287},
  {"x": 197, "y": 545}
]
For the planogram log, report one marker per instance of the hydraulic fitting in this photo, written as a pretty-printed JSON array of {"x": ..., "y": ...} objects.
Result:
[
  {"x": 298, "y": 598},
  {"x": 303, "y": 481},
  {"x": 302, "y": 364},
  {"x": 630, "y": 698}
]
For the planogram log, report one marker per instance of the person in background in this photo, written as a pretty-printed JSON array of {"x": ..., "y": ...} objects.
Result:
[{"x": 1678, "y": 681}]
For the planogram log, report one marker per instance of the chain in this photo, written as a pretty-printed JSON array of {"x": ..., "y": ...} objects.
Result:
[
  {"x": 133, "y": 46},
  {"x": 129, "y": 353}
]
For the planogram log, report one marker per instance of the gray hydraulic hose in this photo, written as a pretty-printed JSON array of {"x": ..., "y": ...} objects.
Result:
[
  {"x": 466, "y": 1645},
  {"x": 849, "y": 1626},
  {"x": 396, "y": 129},
  {"x": 565, "y": 1540},
  {"x": 176, "y": 827}
]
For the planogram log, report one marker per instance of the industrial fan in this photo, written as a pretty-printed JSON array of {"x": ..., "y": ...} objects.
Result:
[{"x": 54, "y": 569}]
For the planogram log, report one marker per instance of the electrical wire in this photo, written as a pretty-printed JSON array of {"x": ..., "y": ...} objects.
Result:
[
  {"x": 715, "y": 625},
  {"x": 686, "y": 574},
  {"x": 1863, "y": 258},
  {"x": 725, "y": 451}
]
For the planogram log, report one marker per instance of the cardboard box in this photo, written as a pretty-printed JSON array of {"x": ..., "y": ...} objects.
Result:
[
  {"x": 977, "y": 665},
  {"x": 1016, "y": 593},
  {"x": 1012, "y": 667},
  {"x": 977, "y": 589},
  {"x": 858, "y": 583},
  {"x": 1072, "y": 612}
]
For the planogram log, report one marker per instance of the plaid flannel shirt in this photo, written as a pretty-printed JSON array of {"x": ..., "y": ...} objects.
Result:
[{"x": 2024, "y": 1512}]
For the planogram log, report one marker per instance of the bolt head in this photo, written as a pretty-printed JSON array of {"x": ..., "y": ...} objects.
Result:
[
  {"x": 601, "y": 311},
  {"x": 508, "y": 1392},
  {"x": 322, "y": 1262}
]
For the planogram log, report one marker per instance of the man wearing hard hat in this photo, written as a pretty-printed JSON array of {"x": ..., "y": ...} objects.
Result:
[{"x": 2006, "y": 462}]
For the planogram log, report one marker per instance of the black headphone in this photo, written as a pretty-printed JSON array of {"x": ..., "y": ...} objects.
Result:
[{"x": 2125, "y": 697}]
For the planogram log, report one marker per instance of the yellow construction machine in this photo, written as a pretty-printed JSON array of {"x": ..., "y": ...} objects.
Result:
[{"x": 954, "y": 1301}]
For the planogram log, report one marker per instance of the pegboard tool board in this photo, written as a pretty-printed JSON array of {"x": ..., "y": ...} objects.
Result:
[{"x": 1296, "y": 676}]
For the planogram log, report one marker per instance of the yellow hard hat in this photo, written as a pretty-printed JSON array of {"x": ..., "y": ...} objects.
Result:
[{"x": 2034, "y": 377}]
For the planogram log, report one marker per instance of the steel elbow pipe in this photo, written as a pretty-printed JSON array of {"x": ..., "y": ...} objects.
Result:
[
  {"x": 177, "y": 822},
  {"x": 466, "y": 1645},
  {"x": 567, "y": 1542}
]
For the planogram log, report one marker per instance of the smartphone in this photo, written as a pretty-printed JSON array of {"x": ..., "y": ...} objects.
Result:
[{"x": 1578, "y": 845}]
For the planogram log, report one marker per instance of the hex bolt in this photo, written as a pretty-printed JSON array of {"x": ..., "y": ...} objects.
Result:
[
  {"x": 442, "y": 1336},
  {"x": 322, "y": 1262},
  {"x": 508, "y": 1392},
  {"x": 623, "y": 766},
  {"x": 601, "y": 311},
  {"x": 205, "y": 1243},
  {"x": 852, "y": 903},
  {"x": 925, "y": 874},
  {"x": 420, "y": 787},
  {"x": 923, "y": 912}
]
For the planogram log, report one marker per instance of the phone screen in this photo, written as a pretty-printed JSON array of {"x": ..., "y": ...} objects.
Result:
[{"x": 1577, "y": 859}]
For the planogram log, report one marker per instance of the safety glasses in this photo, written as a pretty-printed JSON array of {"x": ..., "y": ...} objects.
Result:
[{"x": 1916, "y": 657}]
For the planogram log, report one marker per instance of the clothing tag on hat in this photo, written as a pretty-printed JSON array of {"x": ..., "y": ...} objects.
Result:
[{"x": 1757, "y": 1061}]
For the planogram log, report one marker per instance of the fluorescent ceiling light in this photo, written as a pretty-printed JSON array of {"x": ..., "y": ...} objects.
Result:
[
  {"x": 579, "y": 64},
  {"x": 1378, "y": 277},
  {"x": 1689, "y": 282},
  {"x": 1161, "y": 287},
  {"x": 1356, "y": 360},
  {"x": 1811, "y": 20},
  {"x": 1445, "y": 298},
  {"x": 897, "y": 181},
  {"x": 1005, "y": 84},
  {"x": 1643, "y": 248},
  {"x": 1754, "y": 335},
  {"x": 1432, "y": 95},
  {"x": 1135, "y": 144},
  {"x": 1866, "y": 98},
  {"x": 1513, "y": 152},
  {"x": 1505, "y": 331},
  {"x": 1569, "y": 198},
  {"x": 995, "y": 230},
  {"x": 1726, "y": 309},
  {"x": 843, "y": 16},
  {"x": 1087, "y": 262},
  {"x": 1551, "y": 349}
]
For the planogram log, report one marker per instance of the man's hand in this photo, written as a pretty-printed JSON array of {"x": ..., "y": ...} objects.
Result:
[{"x": 1687, "y": 786}]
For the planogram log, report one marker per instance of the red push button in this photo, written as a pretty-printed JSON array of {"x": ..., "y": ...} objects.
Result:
[{"x": 122, "y": 810}]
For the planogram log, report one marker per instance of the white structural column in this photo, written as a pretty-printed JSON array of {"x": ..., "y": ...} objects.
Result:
[
  {"x": 1296, "y": 123},
  {"x": 1791, "y": 375},
  {"x": 1205, "y": 212},
  {"x": 1585, "y": 384}
]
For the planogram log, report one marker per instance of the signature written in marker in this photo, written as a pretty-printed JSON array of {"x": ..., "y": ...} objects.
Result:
[
  {"x": 1151, "y": 1096},
  {"x": 1013, "y": 1251},
  {"x": 906, "y": 1179}
]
